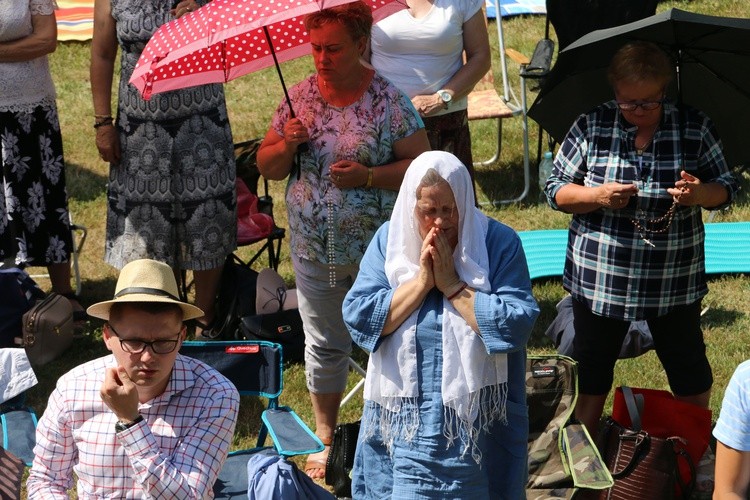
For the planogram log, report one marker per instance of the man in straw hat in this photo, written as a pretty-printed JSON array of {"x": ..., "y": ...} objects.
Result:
[{"x": 143, "y": 421}]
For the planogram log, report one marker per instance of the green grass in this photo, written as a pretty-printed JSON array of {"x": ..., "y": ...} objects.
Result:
[{"x": 252, "y": 100}]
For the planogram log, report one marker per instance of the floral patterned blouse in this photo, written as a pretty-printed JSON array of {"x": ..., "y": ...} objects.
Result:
[{"x": 330, "y": 225}]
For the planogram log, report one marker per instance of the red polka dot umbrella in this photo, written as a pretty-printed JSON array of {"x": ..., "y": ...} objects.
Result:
[{"x": 226, "y": 39}]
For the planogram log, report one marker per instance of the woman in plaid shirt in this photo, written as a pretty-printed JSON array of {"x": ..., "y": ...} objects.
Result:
[{"x": 635, "y": 173}]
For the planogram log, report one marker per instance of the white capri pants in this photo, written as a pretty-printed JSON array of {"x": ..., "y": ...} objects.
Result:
[{"x": 327, "y": 340}]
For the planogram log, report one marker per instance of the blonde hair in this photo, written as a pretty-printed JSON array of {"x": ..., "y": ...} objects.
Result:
[
  {"x": 638, "y": 62},
  {"x": 356, "y": 17}
]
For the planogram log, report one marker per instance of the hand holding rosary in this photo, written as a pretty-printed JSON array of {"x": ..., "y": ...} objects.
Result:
[{"x": 657, "y": 225}]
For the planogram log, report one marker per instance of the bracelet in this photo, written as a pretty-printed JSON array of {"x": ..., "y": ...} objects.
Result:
[
  {"x": 103, "y": 123},
  {"x": 368, "y": 185},
  {"x": 103, "y": 117},
  {"x": 458, "y": 292}
]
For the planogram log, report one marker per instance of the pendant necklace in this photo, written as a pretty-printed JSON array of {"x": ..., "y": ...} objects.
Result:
[{"x": 643, "y": 148}]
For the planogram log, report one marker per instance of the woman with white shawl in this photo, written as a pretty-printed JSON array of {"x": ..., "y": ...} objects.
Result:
[{"x": 443, "y": 303}]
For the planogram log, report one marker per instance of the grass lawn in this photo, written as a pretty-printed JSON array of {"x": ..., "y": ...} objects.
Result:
[{"x": 252, "y": 100}]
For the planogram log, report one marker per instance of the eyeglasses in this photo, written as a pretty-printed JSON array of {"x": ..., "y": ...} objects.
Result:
[
  {"x": 645, "y": 106},
  {"x": 434, "y": 212},
  {"x": 135, "y": 346}
]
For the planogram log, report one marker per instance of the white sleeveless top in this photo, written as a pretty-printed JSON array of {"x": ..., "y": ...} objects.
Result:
[{"x": 27, "y": 84}]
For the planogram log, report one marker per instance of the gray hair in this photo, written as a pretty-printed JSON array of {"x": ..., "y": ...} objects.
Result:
[{"x": 431, "y": 178}]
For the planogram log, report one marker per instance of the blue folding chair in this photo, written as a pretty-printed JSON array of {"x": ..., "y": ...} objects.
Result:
[
  {"x": 17, "y": 440},
  {"x": 256, "y": 369}
]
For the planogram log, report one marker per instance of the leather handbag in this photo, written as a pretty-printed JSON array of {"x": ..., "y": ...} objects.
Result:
[
  {"x": 643, "y": 466},
  {"x": 341, "y": 458},
  {"x": 283, "y": 327},
  {"x": 662, "y": 415},
  {"x": 47, "y": 329}
]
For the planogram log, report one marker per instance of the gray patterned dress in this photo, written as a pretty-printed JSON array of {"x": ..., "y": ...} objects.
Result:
[{"x": 172, "y": 197}]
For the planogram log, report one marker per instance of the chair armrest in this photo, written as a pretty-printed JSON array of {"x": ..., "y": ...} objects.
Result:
[
  {"x": 541, "y": 60},
  {"x": 291, "y": 436},
  {"x": 584, "y": 460},
  {"x": 517, "y": 57}
]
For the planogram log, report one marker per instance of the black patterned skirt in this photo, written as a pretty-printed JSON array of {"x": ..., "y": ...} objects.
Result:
[{"x": 34, "y": 220}]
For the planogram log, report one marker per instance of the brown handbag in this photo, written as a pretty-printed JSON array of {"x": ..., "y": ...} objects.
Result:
[
  {"x": 47, "y": 329},
  {"x": 643, "y": 466}
]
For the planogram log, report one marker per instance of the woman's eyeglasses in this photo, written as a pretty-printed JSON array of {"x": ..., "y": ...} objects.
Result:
[
  {"x": 645, "y": 106},
  {"x": 133, "y": 346}
]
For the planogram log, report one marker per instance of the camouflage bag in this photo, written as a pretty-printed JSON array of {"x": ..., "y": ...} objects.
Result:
[{"x": 563, "y": 459}]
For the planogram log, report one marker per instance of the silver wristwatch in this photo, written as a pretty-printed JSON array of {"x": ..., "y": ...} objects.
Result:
[{"x": 446, "y": 97}]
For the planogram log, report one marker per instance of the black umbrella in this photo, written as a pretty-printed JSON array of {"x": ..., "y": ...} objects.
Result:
[{"x": 712, "y": 56}]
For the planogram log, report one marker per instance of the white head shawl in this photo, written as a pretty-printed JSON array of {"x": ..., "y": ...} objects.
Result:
[{"x": 474, "y": 383}]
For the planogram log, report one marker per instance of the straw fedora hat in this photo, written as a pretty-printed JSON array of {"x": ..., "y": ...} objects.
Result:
[{"x": 145, "y": 280}]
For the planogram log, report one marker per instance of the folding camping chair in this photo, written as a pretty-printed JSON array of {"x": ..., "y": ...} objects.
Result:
[
  {"x": 256, "y": 369},
  {"x": 486, "y": 103},
  {"x": 247, "y": 170},
  {"x": 563, "y": 458}
]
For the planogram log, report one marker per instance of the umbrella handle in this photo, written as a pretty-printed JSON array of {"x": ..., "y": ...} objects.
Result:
[{"x": 304, "y": 147}]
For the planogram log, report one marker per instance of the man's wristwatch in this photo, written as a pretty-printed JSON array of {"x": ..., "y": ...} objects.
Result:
[
  {"x": 446, "y": 97},
  {"x": 122, "y": 426}
]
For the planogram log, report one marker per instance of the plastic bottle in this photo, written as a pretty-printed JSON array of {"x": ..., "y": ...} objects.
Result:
[{"x": 545, "y": 170}]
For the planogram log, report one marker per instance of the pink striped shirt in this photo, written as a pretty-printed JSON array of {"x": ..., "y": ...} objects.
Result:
[{"x": 176, "y": 452}]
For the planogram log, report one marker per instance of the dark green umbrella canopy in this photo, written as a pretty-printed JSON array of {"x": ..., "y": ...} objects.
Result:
[{"x": 712, "y": 63}]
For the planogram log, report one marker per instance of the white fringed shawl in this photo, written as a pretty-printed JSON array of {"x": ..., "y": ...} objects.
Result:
[{"x": 474, "y": 383}]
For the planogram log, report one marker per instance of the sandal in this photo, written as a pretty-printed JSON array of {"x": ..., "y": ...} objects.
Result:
[{"x": 317, "y": 464}]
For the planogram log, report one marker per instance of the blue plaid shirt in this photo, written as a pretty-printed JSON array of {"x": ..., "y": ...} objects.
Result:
[{"x": 609, "y": 267}]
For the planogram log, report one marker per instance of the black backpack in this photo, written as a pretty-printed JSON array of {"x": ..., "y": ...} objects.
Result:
[{"x": 236, "y": 297}]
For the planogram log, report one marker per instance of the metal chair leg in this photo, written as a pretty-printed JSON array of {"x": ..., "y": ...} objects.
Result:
[
  {"x": 496, "y": 156},
  {"x": 357, "y": 368}
]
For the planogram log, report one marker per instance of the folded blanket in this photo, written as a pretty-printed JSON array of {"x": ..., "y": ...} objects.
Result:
[{"x": 75, "y": 20}]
